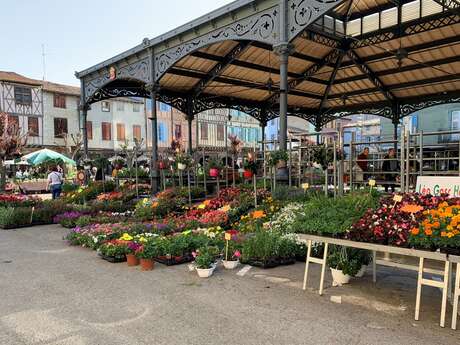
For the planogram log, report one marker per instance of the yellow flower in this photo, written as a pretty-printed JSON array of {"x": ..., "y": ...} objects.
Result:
[
  {"x": 126, "y": 237},
  {"x": 201, "y": 206}
]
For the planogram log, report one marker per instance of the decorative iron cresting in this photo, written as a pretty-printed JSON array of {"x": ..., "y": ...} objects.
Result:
[{"x": 261, "y": 27}]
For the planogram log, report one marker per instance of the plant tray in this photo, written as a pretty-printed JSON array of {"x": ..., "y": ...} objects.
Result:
[
  {"x": 112, "y": 259},
  {"x": 174, "y": 260},
  {"x": 450, "y": 251}
]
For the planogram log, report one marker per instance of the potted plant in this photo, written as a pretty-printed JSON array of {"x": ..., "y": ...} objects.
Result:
[
  {"x": 343, "y": 265},
  {"x": 277, "y": 157},
  {"x": 250, "y": 168},
  {"x": 132, "y": 250},
  {"x": 215, "y": 166},
  {"x": 183, "y": 161},
  {"x": 205, "y": 261},
  {"x": 162, "y": 164},
  {"x": 146, "y": 254},
  {"x": 232, "y": 251},
  {"x": 113, "y": 251}
]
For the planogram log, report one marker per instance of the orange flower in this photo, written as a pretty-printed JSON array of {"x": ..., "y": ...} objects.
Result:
[
  {"x": 436, "y": 224},
  {"x": 428, "y": 232},
  {"x": 411, "y": 208},
  {"x": 443, "y": 234},
  {"x": 415, "y": 231},
  {"x": 258, "y": 214},
  {"x": 207, "y": 202},
  {"x": 155, "y": 204}
]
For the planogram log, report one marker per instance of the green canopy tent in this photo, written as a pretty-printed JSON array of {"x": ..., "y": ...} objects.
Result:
[{"x": 47, "y": 156}]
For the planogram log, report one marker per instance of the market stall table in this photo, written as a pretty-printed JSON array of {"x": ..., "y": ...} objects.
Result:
[{"x": 422, "y": 255}]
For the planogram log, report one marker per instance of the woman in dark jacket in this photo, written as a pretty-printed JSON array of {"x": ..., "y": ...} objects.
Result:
[{"x": 390, "y": 168}]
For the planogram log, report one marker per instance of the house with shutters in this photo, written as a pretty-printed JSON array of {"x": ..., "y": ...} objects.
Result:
[{"x": 48, "y": 112}]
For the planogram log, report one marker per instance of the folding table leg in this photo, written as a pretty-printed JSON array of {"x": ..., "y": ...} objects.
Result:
[
  {"x": 419, "y": 289},
  {"x": 307, "y": 263},
  {"x": 323, "y": 269},
  {"x": 374, "y": 266},
  {"x": 444, "y": 293},
  {"x": 456, "y": 298}
]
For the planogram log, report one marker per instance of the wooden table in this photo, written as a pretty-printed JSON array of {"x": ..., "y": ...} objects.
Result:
[{"x": 422, "y": 256}]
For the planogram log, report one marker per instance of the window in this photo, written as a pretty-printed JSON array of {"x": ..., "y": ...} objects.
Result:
[
  {"x": 120, "y": 106},
  {"x": 89, "y": 130},
  {"x": 137, "y": 132},
  {"x": 455, "y": 124},
  {"x": 220, "y": 132},
  {"x": 178, "y": 131},
  {"x": 60, "y": 127},
  {"x": 23, "y": 95},
  {"x": 162, "y": 132},
  {"x": 105, "y": 106},
  {"x": 32, "y": 125},
  {"x": 121, "y": 132},
  {"x": 204, "y": 131},
  {"x": 164, "y": 107},
  {"x": 106, "y": 131},
  {"x": 59, "y": 101},
  {"x": 136, "y": 107},
  {"x": 13, "y": 121}
]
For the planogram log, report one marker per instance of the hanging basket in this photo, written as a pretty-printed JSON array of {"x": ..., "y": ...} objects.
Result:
[
  {"x": 213, "y": 172},
  {"x": 248, "y": 174}
]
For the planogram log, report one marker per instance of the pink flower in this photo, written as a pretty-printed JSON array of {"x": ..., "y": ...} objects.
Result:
[{"x": 237, "y": 254}]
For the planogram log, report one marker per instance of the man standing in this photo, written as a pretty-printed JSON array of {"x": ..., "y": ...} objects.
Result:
[
  {"x": 363, "y": 162},
  {"x": 390, "y": 168},
  {"x": 54, "y": 182}
]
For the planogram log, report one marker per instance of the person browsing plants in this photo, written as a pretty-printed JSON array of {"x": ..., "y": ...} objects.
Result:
[{"x": 54, "y": 183}]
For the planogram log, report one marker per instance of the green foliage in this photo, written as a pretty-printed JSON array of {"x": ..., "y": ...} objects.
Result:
[
  {"x": 275, "y": 157},
  {"x": 333, "y": 217},
  {"x": 347, "y": 260},
  {"x": 267, "y": 245},
  {"x": 114, "y": 250},
  {"x": 68, "y": 187},
  {"x": 149, "y": 250},
  {"x": 215, "y": 163},
  {"x": 12, "y": 217},
  {"x": 131, "y": 173},
  {"x": 206, "y": 257}
]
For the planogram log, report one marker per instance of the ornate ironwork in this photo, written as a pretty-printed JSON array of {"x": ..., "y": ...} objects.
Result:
[
  {"x": 201, "y": 104},
  {"x": 262, "y": 27},
  {"x": 371, "y": 75},
  {"x": 137, "y": 71},
  {"x": 108, "y": 93},
  {"x": 409, "y": 108},
  {"x": 304, "y": 12}
]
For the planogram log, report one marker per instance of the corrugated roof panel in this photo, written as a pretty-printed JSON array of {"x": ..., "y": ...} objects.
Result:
[
  {"x": 430, "y": 7},
  {"x": 371, "y": 23},
  {"x": 410, "y": 11}
]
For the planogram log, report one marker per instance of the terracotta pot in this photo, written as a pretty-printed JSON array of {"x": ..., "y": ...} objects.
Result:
[
  {"x": 147, "y": 264},
  {"x": 248, "y": 174},
  {"x": 132, "y": 260},
  {"x": 213, "y": 172}
]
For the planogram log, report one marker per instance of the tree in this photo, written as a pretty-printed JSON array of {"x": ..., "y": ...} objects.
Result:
[
  {"x": 12, "y": 141},
  {"x": 73, "y": 144}
]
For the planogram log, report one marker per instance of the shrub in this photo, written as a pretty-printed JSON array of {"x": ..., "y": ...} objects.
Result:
[
  {"x": 267, "y": 245},
  {"x": 11, "y": 217}
]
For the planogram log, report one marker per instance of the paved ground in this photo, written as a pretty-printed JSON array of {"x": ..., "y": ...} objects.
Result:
[{"x": 53, "y": 294}]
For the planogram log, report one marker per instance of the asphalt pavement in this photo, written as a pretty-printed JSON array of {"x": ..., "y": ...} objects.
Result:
[{"x": 53, "y": 294}]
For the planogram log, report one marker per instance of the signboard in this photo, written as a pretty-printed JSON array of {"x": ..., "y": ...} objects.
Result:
[{"x": 435, "y": 185}]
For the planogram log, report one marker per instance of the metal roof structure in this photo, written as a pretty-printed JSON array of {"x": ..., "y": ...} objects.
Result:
[{"x": 316, "y": 59}]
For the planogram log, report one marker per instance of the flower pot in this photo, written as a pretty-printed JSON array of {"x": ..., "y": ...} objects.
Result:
[
  {"x": 248, "y": 174},
  {"x": 147, "y": 264},
  {"x": 213, "y": 172},
  {"x": 230, "y": 265},
  {"x": 338, "y": 278},
  {"x": 161, "y": 165},
  {"x": 362, "y": 271},
  {"x": 181, "y": 166},
  {"x": 132, "y": 260},
  {"x": 205, "y": 272}
]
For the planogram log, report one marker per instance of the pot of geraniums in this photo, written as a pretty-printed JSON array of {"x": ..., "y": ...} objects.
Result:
[
  {"x": 343, "y": 265},
  {"x": 250, "y": 168},
  {"x": 232, "y": 250},
  {"x": 146, "y": 254},
  {"x": 205, "y": 261},
  {"x": 183, "y": 161},
  {"x": 215, "y": 166},
  {"x": 131, "y": 257}
]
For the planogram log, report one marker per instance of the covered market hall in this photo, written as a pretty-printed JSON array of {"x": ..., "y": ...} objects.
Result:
[{"x": 319, "y": 60}]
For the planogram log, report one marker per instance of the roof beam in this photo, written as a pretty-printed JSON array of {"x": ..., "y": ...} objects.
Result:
[
  {"x": 371, "y": 75},
  {"x": 236, "y": 82},
  {"x": 220, "y": 67},
  {"x": 412, "y": 27},
  {"x": 410, "y": 84},
  {"x": 331, "y": 81},
  {"x": 413, "y": 67}
]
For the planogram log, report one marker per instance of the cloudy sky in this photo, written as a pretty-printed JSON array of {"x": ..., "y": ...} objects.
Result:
[{"x": 77, "y": 34}]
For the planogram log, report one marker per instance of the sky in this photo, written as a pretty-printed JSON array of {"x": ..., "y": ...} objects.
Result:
[{"x": 78, "y": 34}]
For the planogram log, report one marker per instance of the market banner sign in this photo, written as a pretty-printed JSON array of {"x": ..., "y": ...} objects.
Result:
[{"x": 436, "y": 185}]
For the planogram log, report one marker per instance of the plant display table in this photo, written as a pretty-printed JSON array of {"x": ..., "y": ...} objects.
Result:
[{"x": 422, "y": 256}]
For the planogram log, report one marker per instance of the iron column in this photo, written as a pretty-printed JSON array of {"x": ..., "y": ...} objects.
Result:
[
  {"x": 83, "y": 118},
  {"x": 190, "y": 118},
  {"x": 153, "y": 118}
]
